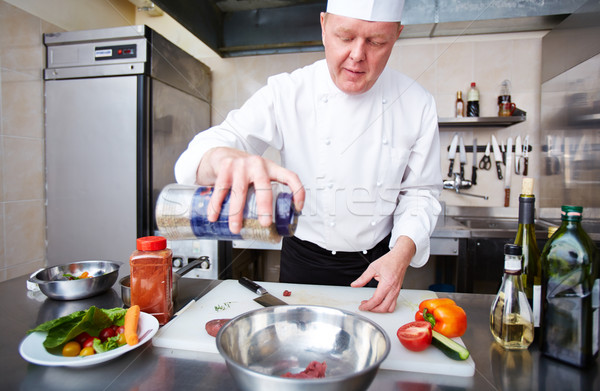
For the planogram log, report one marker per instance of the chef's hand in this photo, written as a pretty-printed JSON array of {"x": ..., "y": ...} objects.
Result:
[
  {"x": 231, "y": 169},
  {"x": 389, "y": 270}
]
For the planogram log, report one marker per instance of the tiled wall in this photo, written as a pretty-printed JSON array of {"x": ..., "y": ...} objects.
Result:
[{"x": 22, "y": 211}]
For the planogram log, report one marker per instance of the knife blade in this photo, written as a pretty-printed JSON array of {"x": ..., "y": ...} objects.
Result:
[
  {"x": 474, "y": 172},
  {"x": 452, "y": 154},
  {"x": 509, "y": 147},
  {"x": 518, "y": 154},
  {"x": 463, "y": 157},
  {"x": 497, "y": 156},
  {"x": 265, "y": 298}
]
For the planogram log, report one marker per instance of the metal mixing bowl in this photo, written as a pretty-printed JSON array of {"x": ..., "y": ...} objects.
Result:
[
  {"x": 261, "y": 345},
  {"x": 54, "y": 284}
]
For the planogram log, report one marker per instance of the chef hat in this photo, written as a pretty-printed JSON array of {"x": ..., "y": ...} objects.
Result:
[{"x": 371, "y": 10}]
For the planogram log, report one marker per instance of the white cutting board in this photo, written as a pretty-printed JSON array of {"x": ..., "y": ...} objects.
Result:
[{"x": 229, "y": 299}]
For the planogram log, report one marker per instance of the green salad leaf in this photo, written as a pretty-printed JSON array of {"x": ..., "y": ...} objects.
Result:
[
  {"x": 92, "y": 321},
  {"x": 110, "y": 344}
]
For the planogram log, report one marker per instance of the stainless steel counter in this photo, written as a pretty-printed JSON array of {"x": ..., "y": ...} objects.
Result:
[{"x": 150, "y": 368}]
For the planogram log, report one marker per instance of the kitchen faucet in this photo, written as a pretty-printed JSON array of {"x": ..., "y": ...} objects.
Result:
[{"x": 459, "y": 183}]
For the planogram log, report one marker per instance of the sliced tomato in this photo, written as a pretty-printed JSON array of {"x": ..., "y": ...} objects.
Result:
[{"x": 415, "y": 336}]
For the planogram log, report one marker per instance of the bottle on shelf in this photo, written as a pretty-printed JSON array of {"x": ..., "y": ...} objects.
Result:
[
  {"x": 571, "y": 292},
  {"x": 511, "y": 318},
  {"x": 460, "y": 105},
  {"x": 473, "y": 101},
  {"x": 531, "y": 267},
  {"x": 152, "y": 277}
]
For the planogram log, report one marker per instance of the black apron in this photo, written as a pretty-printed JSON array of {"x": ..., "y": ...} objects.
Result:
[{"x": 304, "y": 262}]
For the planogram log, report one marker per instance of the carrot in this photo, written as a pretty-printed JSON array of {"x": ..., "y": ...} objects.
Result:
[
  {"x": 84, "y": 275},
  {"x": 132, "y": 316}
]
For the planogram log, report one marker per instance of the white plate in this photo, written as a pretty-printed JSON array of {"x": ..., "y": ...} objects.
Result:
[{"x": 33, "y": 350}]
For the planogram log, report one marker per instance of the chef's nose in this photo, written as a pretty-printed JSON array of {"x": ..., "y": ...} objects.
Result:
[{"x": 357, "y": 51}]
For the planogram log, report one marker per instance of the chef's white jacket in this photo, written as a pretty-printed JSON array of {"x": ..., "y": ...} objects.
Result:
[{"x": 369, "y": 163}]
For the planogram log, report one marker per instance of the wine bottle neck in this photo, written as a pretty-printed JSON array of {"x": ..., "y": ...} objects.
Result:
[{"x": 526, "y": 209}]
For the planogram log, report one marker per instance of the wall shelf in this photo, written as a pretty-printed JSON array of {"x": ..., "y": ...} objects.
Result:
[{"x": 475, "y": 122}]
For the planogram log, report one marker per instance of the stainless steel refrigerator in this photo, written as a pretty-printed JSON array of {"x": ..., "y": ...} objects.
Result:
[{"x": 121, "y": 105}]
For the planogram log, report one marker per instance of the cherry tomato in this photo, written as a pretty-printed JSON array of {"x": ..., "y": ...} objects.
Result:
[
  {"x": 71, "y": 349},
  {"x": 415, "y": 336},
  {"x": 81, "y": 338},
  {"x": 87, "y": 351},
  {"x": 120, "y": 330},
  {"x": 89, "y": 343},
  {"x": 106, "y": 334},
  {"x": 114, "y": 327}
]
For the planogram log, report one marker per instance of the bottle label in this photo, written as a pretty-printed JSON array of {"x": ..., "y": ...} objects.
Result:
[{"x": 537, "y": 304}]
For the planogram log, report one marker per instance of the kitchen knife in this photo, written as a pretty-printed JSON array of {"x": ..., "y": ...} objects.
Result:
[
  {"x": 474, "y": 172},
  {"x": 265, "y": 298},
  {"x": 509, "y": 148},
  {"x": 452, "y": 154},
  {"x": 463, "y": 157},
  {"x": 518, "y": 154},
  {"x": 525, "y": 155},
  {"x": 497, "y": 156}
]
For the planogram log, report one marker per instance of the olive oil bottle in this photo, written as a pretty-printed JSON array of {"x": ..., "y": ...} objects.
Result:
[
  {"x": 570, "y": 288},
  {"x": 531, "y": 268},
  {"x": 511, "y": 319}
]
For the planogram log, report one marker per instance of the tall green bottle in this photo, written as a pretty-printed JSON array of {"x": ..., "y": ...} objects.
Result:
[
  {"x": 570, "y": 288},
  {"x": 531, "y": 267}
]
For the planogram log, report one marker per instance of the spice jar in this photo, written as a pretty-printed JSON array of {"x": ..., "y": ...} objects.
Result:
[
  {"x": 182, "y": 213},
  {"x": 152, "y": 277}
]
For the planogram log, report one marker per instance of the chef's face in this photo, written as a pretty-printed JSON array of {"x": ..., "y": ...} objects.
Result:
[{"x": 357, "y": 50}]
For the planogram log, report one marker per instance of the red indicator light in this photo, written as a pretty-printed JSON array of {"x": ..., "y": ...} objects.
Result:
[{"x": 119, "y": 52}]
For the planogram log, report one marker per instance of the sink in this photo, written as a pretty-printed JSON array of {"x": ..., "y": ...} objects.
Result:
[{"x": 495, "y": 227}]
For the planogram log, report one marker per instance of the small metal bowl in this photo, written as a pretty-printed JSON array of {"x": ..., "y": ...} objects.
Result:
[
  {"x": 54, "y": 284},
  {"x": 262, "y": 345}
]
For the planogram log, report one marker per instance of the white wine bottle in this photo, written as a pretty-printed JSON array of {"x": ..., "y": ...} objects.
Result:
[
  {"x": 571, "y": 293},
  {"x": 511, "y": 319},
  {"x": 531, "y": 268}
]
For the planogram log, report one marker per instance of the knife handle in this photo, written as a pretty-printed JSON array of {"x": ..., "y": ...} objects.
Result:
[
  {"x": 525, "y": 164},
  {"x": 499, "y": 170},
  {"x": 474, "y": 176},
  {"x": 451, "y": 168},
  {"x": 507, "y": 197},
  {"x": 462, "y": 170},
  {"x": 253, "y": 286}
]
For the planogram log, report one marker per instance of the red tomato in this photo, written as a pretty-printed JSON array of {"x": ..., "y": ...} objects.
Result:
[
  {"x": 89, "y": 343},
  {"x": 120, "y": 330},
  {"x": 415, "y": 336},
  {"x": 107, "y": 333},
  {"x": 81, "y": 338}
]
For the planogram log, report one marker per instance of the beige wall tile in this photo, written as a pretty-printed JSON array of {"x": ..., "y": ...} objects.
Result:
[
  {"x": 2, "y": 241},
  {"x": 25, "y": 231},
  {"x": 25, "y": 268},
  {"x": 22, "y": 108},
  {"x": 17, "y": 27},
  {"x": 23, "y": 169}
]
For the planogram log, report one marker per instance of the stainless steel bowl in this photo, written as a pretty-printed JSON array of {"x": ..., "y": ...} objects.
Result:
[
  {"x": 261, "y": 345},
  {"x": 54, "y": 284}
]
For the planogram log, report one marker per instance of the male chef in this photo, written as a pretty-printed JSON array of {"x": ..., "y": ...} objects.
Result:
[{"x": 359, "y": 149}]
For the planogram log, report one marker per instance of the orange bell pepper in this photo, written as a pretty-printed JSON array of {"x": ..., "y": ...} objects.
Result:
[{"x": 444, "y": 315}]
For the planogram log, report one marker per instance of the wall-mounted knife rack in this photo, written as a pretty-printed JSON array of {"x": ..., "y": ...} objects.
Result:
[{"x": 481, "y": 148}]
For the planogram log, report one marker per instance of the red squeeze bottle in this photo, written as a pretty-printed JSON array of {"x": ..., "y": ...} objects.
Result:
[{"x": 152, "y": 277}]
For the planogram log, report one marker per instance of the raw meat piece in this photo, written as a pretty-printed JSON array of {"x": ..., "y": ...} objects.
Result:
[
  {"x": 213, "y": 326},
  {"x": 313, "y": 370}
]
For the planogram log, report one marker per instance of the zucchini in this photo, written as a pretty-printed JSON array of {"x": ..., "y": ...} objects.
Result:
[{"x": 450, "y": 348}]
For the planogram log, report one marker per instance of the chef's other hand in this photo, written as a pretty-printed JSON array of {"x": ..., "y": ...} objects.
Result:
[
  {"x": 389, "y": 271},
  {"x": 229, "y": 169}
]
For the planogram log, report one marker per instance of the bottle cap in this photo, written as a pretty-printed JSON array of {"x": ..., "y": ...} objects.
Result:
[
  {"x": 571, "y": 213},
  {"x": 151, "y": 243},
  {"x": 473, "y": 84},
  {"x": 512, "y": 249}
]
